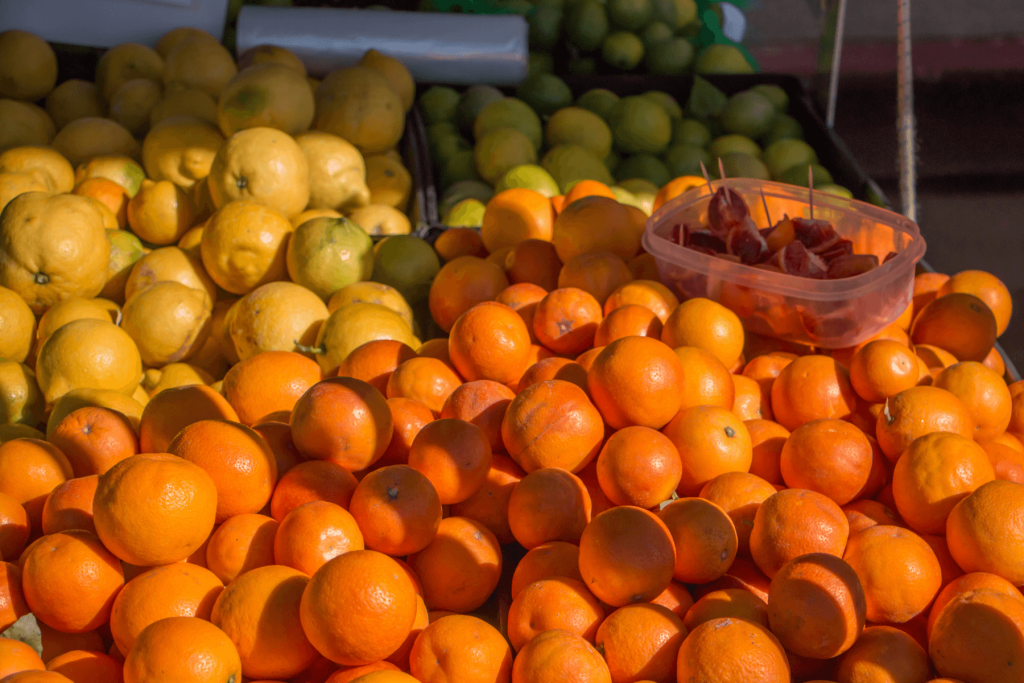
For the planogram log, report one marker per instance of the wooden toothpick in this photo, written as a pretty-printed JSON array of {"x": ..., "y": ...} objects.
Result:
[
  {"x": 810, "y": 187},
  {"x": 721, "y": 174},
  {"x": 707, "y": 178},
  {"x": 764, "y": 202}
]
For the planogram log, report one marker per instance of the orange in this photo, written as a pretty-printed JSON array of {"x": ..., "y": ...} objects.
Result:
[
  {"x": 935, "y": 473},
  {"x": 766, "y": 439},
  {"x": 16, "y": 656},
  {"x": 374, "y": 361},
  {"x": 707, "y": 325},
  {"x": 918, "y": 411},
  {"x": 38, "y": 677},
  {"x": 598, "y": 501},
  {"x": 593, "y": 224},
  {"x": 959, "y": 323},
  {"x": 796, "y": 522},
  {"x": 552, "y": 424},
  {"x": 347, "y": 674},
  {"x": 240, "y": 462},
  {"x": 460, "y": 568},
  {"x": 884, "y": 651},
  {"x": 742, "y": 575},
  {"x": 182, "y": 649},
  {"x": 242, "y": 543},
  {"x": 322, "y": 669},
  {"x": 14, "y": 527},
  {"x": 898, "y": 570},
  {"x": 933, "y": 356},
  {"x": 627, "y": 555},
  {"x": 523, "y": 298},
  {"x": 711, "y": 441},
  {"x": 12, "y": 599},
  {"x": 675, "y": 599},
  {"x": 533, "y": 261},
  {"x": 926, "y": 288},
  {"x": 559, "y": 655},
  {"x": 554, "y": 368},
  {"x": 313, "y": 534},
  {"x": 986, "y": 287},
  {"x": 732, "y": 650},
  {"x": 643, "y": 482},
  {"x": 812, "y": 388},
  {"x": 69, "y": 506},
  {"x": 829, "y": 456},
  {"x": 704, "y": 537},
  {"x": 153, "y": 509},
  {"x": 676, "y": 187},
  {"x": 965, "y": 584},
  {"x": 984, "y": 534},
  {"x": 427, "y": 380},
  {"x": 763, "y": 370},
  {"x": 29, "y": 470},
  {"x": 55, "y": 643},
  {"x": 979, "y": 636},
  {"x": 460, "y": 648},
  {"x": 83, "y": 666},
  {"x": 549, "y": 504},
  {"x": 566, "y": 320},
  {"x": 553, "y": 603},
  {"x": 1008, "y": 439},
  {"x": 1017, "y": 407},
  {"x": 309, "y": 481},
  {"x": 950, "y": 569},
  {"x": 727, "y": 602},
  {"x": 108, "y": 193},
  {"x": 454, "y": 455},
  {"x": 557, "y": 559},
  {"x": 259, "y": 612},
  {"x": 269, "y": 382},
  {"x": 816, "y": 606},
  {"x": 865, "y": 513},
  {"x": 515, "y": 215},
  {"x": 490, "y": 341},
  {"x": 172, "y": 410},
  {"x": 456, "y": 242},
  {"x": 597, "y": 273},
  {"x": 983, "y": 392},
  {"x": 634, "y": 381},
  {"x": 489, "y": 505},
  {"x": 461, "y": 284},
  {"x": 408, "y": 416},
  {"x": 994, "y": 361},
  {"x": 1007, "y": 463},
  {"x": 397, "y": 510},
  {"x": 342, "y": 420},
  {"x": 747, "y": 399},
  {"x": 482, "y": 403},
  {"x": 558, "y": 203},
  {"x": 94, "y": 439},
  {"x": 739, "y": 494},
  {"x": 640, "y": 642},
  {"x": 626, "y": 321},
  {"x": 70, "y": 580},
  {"x": 891, "y": 333},
  {"x": 586, "y": 359},
  {"x": 588, "y": 188},
  {"x": 881, "y": 369}
]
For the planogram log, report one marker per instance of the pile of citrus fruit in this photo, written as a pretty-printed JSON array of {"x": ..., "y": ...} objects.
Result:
[{"x": 242, "y": 464}]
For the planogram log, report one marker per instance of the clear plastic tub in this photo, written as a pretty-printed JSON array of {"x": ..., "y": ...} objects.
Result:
[{"x": 824, "y": 313}]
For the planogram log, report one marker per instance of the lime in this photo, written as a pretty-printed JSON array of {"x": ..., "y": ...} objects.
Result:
[
  {"x": 581, "y": 66},
  {"x": 474, "y": 101},
  {"x": 722, "y": 59},
  {"x": 640, "y": 125},
  {"x": 326, "y": 254},
  {"x": 540, "y": 63},
  {"x": 645, "y": 166},
  {"x": 440, "y": 130},
  {"x": 691, "y": 132},
  {"x": 500, "y": 150},
  {"x": 599, "y": 101},
  {"x": 612, "y": 161},
  {"x": 686, "y": 160},
  {"x": 686, "y": 12},
  {"x": 571, "y": 163},
  {"x": 666, "y": 102},
  {"x": 630, "y": 15},
  {"x": 740, "y": 165},
  {"x": 622, "y": 50},
  {"x": 464, "y": 189},
  {"x": 665, "y": 12},
  {"x": 439, "y": 103},
  {"x": 587, "y": 25},
  {"x": 775, "y": 94},
  {"x": 459, "y": 166},
  {"x": 786, "y": 127},
  {"x": 545, "y": 24},
  {"x": 656, "y": 32},
  {"x": 530, "y": 176},
  {"x": 832, "y": 188},
  {"x": 448, "y": 147},
  {"x": 783, "y": 155},
  {"x": 408, "y": 264},
  {"x": 748, "y": 113},
  {"x": 706, "y": 101},
  {"x": 797, "y": 175},
  {"x": 577, "y": 126},
  {"x": 624, "y": 196},
  {"x": 639, "y": 186},
  {"x": 546, "y": 93},
  {"x": 670, "y": 58},
  {"x": 469, "y": 213},
  {"x": 725, "y": 144},
  {"x": 509, "y": 113}
]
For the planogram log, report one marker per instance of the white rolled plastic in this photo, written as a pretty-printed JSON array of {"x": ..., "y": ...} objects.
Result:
[{"x": 435, "y": 47}]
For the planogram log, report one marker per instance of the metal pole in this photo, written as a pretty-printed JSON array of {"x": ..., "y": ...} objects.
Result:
[
  {"x": 905, "y": 105},
  {"x": 837, "y": 55}
]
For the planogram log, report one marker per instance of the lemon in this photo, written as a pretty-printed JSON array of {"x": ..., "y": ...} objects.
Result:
[
  {"x": 530, "y": 176},
  {"x": 359, "y": 105},
  {"x": 832, "y": 188},
  {"x": 125, "y": 250},
  {"x": 546, "y": 93},
  {"x": 266, "y": 95},
  {"x": 798, "y": 175},
  {"x": 49, "y": 166},
  {"x": 83, "y": 139},
  {"x": 181, "y": 101},
  {"x": 73, "y": 99},
  {"x": 17, "y": 326},
  {"x": 380, "y": 219},
  {"x": 352, "y": 325},
  {"x": 21, "y": 401},
  {"x": 75, "y": 308},
  {"x": 23, "y": 123},
  {"x": 326, "y": 254},
  {"x": 775, "y": 94},
  {"x": 28, "y": 66},
  {"x": 690, "y": 132},
  {"x": 174, "y": 375},
  {"x": 126, "y": 62},
  {"x": 460, "y": 166},
  {"x": 279, "y": 316},
  {"x": 666, "y": 102},
  {"x": 782, "y": 155},
  {"x": 748, "y": 113},
  {"x": 785, "y": 127},
  {"x": 501, "y": 150},
  {"x": 89, "y": 354},
  {"x": 578, "y": 126},
  {"x": 472, "y": 102},
  {"x": 396, "y": 74},
  {"x": 466, "y": 189},
  {"x": 545, "y": 24},
  {"x": 630, "y": 15},
  {"x": 269, "y": 54},
  {"x": 740, "y": 165},
  {"x": 656, "y": 32},
  {"x": 371, "y": 293},
  {"x": 684, "y": 159},
  {"x": 389, "y": 181},
  {"x": 587, "y": 25},
  {"x": 199, "y": 63},
  {"x": 509, "y": 112},
  {"x": 168, "y": 322},
  {"x": 308, "y": 215},
  {"x": 337, "y": 172},
  {"x": 640, "y": 125},
  {"x": 670, "y": 58},
  {"x": 13, "y": 184},
  {"x": 133, "y": 104},
  {"x": 638, "y": 186},
  {"x": 722, "y": 59},
  {"x": 262, "y": 164}
]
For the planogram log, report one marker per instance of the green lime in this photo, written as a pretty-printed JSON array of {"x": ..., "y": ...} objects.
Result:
[
  {"x": 639, "y": 186},
  {"x": 459, "y": 166},
  {"x": 474, "y": 101},
  {"x": 666, "y": 102},
  {"x": 464, "y": 189},
  {"x": 640, "y": 125},
  {"x": 786, "y": 127},
  {"x": 722, "y": 59},
  {"x": 726, "y": 144},
  {"x": 690, "y": 132},
  {"x": 775, "y": 94},
  {"x": 447, "y": 147},
  {"x": 581, "y": 66},
  {"x": 706, "y": 101},
  {"x": 686, "y": 160},
  {"x": 740, "y": 165},
  {"x": 540, "y": 63},
  {"x": 500, "y": 150},
  {"x": 622, "y": 50},
  {"x": 577, "y": 126},
  {"x": 545, "y": 24},
  {"x": 530, "y": 176},
  {"x": 686, "y": 12},
  {"x": 408, "y": 264},
  {"x": 670, "y": 58},
  {"x": 599, "y": 101},
  {"x": 612, "y": 161},
  {"x": 656, "y": 32},
  {"x": 624, "y": 196},
  {"x": 439, "y": 103},
  {"x": 782, "y": 155},
  {"x": 665, "y": 12},
  {"x": 509, "y": 113},
  {"x": 571, "y": 163},
  {"x": 439, "y": 131},
  {"x": 587, "y": 25},
  {"x": 645, "y": 166},
  {"x": 630, "y": 15},
  {"x": 546, "y": 93},
  {"x": 832, "y": 188},
  {"x": 748, "y": 113},
  {"x": 797, "y": 175},
  {"x": 469, "y": 213}
]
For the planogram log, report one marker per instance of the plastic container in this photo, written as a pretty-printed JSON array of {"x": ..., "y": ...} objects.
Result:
[{"x": 822, "y": 313}]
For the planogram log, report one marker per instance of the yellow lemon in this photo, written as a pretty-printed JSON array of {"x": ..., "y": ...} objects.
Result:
[
  {"x": 122, "y": 170},
  {"x": 244, "y": 246},
  {"x": 75, "y": 308},
  {"x": 199, "y": 63},
  {"x": 46, "y": 164},
  {"x": 271, "y": 54},
  {"x": 395, "y": 73},
  {"x": 17, "y": 326},
  {"x": 125, "y": 62},
  {"x": 125, "y": 250},
  {"x": 83, "y": 139},
  {"x": 310, "y": 214},
  {"x": 389, "y": 181},
  {"x": 21, "y": 401},
  {"x": 359, "y": 104},
  {"x": 23, "y": 123},
  {"x": 372, "y": 293},
  {"x": 378, "y": 219},
  {"x": 169, "y": 264},
  {"x": 168, "y": 322},
  {"x": 280, "y": 316},
  {"x": 269, "y": 95},
  {"x": 161, "y": 213},
  {"x": 133, "y": 103},
  {"x": 19, "y": 431},
  {"x": 91, "y": 354},
  {"x": 351, "y": 326},
  {"x": 73, "y": 99},
  {"x": 13, "y": 184},
  {"x": 155, "y": 380},
  {"x": 264, "y": 165},
  {"x": 28, "y": 66},
  {"x": 174, "y": 37},
  {"x": 181, "y": 101},
  {"x": 337, "y": 173},
  {"x": 180, "y": 149}
]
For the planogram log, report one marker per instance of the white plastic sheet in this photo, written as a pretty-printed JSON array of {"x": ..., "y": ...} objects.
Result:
[{"x": 435, "y": 47}]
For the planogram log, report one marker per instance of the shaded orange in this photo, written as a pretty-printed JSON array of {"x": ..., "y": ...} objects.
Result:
[
  {"x": 546, "y": 561},
  {"x": 865, "y": 513},
  {"x": 461, "y": 284},
  {"x": 597, "y": 273},
  {"x": 454, "y": 455},
  {"x": 523, "y": 298},
  {"x": 641, "y": 642},
  {"x": 926, "y": 288},
  {"x": 69, "y": 506},
  {"x": 460, "y": 568},
  {"x": 456, "y": 242},
  {"x": 829, "y": 456},
  {"x": 650, "y": 294},
  {"x": 173, "y": 409},
  {"x": 461, "y": 648},
  {"x": 94, "y": 438},
  {"x": 739, "y": 494},
  {"x": 374, "y": 361},
  {"x": 766, "y": 440},
  {"x": 278, "y": 436},
  {"x": 812, "y": 388},
  {"x": 730, "y": 650},
  {"x": 84, "y": 666},
  {"x": 629, "y": 320},
  {"x": 554, "y": 368},
  {"x": 533, "y": 261},
  {"x": 704, "y": 536},
  {"x": 549, "y": 504},
  {"x": 408, "y": 416},
  {"x": 108, "y": 193},
  {"x": 983, "y": 392},
  {"x": 960, "y": 323},
  {"x": 489, "y": 505},
  {"x": 885, "y": 649},
  {"x": 15, "y": 527},
  {"x": 29, "y": 470},
  {"x": 727, "y": 602},
  {"x": 427, "y": 380},
  {"x": 514, "y": 215},
  {"x": 979, "y": 636},
  {"x": 12, "y": 598},
  {"x": 242, "y": 543},
  {"x": 309, "y": 481},
  {"x": 918, "y": 411},
  {"x": 552, "y": 654},
  {"x": 986, "y": 287},
  {"x": 1007, "y": 463}
]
